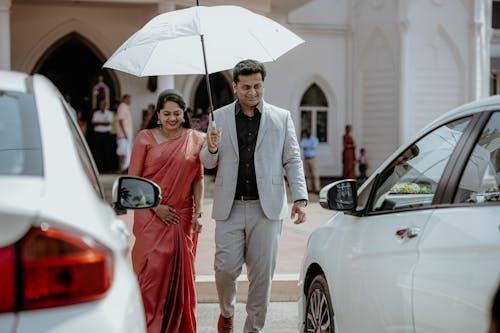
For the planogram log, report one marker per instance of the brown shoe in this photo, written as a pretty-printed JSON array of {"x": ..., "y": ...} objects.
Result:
[{"x": 225, "y": 325}]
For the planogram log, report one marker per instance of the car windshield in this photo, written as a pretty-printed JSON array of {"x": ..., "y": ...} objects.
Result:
[{"x": 20, "y": 144}]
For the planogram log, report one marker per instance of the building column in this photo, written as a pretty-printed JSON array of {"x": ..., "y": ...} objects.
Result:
[
  {"x": 165, "y": 81},
  {"x": 5, "y": 34}
]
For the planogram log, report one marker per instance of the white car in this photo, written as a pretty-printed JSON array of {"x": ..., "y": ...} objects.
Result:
[
  {"x": 417, "y": 247},
  {"x": 63, "y": 265}
]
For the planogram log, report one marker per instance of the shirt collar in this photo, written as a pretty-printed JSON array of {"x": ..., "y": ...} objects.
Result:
[{"x": 258, "y": 108}]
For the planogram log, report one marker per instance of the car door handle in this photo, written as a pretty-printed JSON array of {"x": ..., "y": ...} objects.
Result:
[{"x": 408, "y": 232}]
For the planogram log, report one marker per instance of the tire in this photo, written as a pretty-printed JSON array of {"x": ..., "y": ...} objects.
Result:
[{"x": 319, "y": 310}]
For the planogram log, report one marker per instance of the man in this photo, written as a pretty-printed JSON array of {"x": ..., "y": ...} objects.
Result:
[
  {"x": 102, "y": 141},
  {"x": 309, "y": 143},
  {"x": 124, "y": 132},
  {"x": 250, "y": 200}
]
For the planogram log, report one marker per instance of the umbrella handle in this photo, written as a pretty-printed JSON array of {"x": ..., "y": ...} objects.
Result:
[{"x": 212, "y": 126}]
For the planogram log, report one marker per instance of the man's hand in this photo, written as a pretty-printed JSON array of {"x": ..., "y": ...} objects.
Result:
[
  {"x": 299, "y": 210},
  {"x": 213, "y": 139}
]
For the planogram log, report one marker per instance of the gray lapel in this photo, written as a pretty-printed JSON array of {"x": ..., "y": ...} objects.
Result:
[
  {"x": 231, "y": 125},
  {"x": 264, "y": 121}
]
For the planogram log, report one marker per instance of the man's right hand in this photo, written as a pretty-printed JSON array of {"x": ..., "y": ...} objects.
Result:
[{"x": 213, "y": 139}]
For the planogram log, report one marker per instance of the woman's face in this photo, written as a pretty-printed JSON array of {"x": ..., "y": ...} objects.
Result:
[{"x": 171, "y": 116}]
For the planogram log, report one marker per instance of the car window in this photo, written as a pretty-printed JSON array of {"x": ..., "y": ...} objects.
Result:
[
  {"x": 480, "y": 181},
  {"x": 84, "y": 155},
  {"x": 411, "y": 179},
  {"x": 20, "y": 143}
]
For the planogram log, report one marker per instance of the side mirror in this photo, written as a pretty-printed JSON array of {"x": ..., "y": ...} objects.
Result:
[
  {"x": 340, "y": 195},
  {"x": 134, "y": 193}
]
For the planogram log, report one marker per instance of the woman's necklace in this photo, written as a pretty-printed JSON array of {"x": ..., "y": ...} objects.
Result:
[{"x": 168, "y": 136}]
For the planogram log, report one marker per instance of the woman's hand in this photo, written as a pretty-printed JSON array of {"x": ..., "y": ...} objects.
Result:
[
  {"x": 197, "y": 223},
  {"x": 167, "y": 214}
]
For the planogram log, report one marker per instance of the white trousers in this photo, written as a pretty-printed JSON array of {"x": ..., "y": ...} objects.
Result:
[{"x": 249, "y": 237}]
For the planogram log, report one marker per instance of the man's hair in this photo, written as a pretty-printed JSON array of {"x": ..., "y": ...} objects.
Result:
[
  {"x": 248, "y": 67},
  {"x": 125, "y": 97},
  {"x": 414, "y": 150}
]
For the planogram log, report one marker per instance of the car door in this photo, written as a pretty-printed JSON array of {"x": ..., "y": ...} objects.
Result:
[
  {"x": 459, "y": 251},
  {"x": 380, "y": 248}
]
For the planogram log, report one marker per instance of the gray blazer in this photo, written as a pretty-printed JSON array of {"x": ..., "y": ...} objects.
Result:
[{"x": 277, "y": 154}]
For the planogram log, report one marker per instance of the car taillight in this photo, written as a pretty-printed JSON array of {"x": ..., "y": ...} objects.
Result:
[
  {"x": 51, "y": 267},
  {"x": 7, "y": 279}
]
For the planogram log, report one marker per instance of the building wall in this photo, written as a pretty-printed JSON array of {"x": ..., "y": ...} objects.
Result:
[{"x": 386, "y": 66}]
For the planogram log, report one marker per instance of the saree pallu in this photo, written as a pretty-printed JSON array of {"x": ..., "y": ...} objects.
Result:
[{"x": 163, "y": 254}]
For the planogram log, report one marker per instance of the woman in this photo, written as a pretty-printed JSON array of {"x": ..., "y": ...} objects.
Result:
[
  {"x": 164, "y": 250},
  {"x": 348, "y": 155}
]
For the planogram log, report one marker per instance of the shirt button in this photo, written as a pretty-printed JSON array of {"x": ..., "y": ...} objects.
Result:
[
  {"x": 247, "y": 181},
  {"x": 248, "y": 149},
  {"x": 250, "y": 134},
  {"x": 247, "y": 165}
]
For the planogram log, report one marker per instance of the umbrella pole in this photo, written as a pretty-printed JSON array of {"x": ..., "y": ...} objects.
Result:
[{"x": 207, "y": 78}]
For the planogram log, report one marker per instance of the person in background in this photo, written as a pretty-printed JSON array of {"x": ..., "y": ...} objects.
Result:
[
  {"x": 166, "y": 236},
  {"x": 101, "y": 142},
  {"x": 348, "y": 154},
  {"x": 309, "y": 143},
  {"x": 258, "y": 148},
  {"x": 124, "y": 134},
  {"x": 146, "y": 118},
  {"x": 362, "y": 164}
]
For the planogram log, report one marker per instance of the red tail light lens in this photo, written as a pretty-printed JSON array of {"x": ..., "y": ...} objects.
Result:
[
  {"x": 58, "y": 268},
  {"x": 7, "y": 279}
]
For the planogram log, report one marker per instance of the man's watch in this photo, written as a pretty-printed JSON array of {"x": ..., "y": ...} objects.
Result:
[{"x": 302, "y": 200}]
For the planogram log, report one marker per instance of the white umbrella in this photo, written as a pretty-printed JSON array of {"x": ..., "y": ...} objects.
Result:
[{"x": 202, "y": 40}]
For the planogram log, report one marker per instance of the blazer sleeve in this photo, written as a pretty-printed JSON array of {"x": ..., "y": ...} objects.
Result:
[{"x": 292, "y": 162}]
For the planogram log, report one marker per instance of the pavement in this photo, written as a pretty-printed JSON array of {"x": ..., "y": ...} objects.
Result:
[{"x": 292, "y": 245}]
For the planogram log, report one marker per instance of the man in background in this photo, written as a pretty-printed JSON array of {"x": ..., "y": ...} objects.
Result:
[
  {"x": 124, "y": 133},
  {"x": 309, "y": 143}
]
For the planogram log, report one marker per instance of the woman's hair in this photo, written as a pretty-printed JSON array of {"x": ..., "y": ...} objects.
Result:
[{"x": 169, "y": 95}]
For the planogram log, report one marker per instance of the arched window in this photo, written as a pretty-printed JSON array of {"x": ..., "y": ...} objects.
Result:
[{"x": 314, "y": 112}]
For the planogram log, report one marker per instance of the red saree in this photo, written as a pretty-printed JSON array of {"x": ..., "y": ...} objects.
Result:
[{"x": 163, "y": 255}]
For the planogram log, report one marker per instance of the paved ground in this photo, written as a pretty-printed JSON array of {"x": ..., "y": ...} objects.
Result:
[{"x": 282, "y": 315}]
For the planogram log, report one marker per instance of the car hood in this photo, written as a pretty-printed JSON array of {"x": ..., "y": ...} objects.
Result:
[{"x": 19, "y": 206}]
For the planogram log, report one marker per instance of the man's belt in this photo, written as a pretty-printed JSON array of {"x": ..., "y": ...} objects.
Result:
[{"x": 246, "y": 197}]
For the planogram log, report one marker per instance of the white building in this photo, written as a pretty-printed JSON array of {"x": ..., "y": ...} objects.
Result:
[{"x": 386, "y": 66}]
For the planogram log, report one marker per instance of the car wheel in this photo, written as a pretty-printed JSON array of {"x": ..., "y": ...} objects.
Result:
[{"x": 319, "y": 310}]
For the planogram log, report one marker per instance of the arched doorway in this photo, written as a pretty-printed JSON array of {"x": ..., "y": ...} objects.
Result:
[
  {"x": 222, "y": 92},
  {"x": 74, "y": 65}
]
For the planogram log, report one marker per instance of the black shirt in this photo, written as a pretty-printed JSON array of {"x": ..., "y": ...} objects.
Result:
[{"x": 247, "y": 129}]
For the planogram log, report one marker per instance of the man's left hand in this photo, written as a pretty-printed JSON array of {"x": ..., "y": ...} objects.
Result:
[{"x": 299, "y": 211}]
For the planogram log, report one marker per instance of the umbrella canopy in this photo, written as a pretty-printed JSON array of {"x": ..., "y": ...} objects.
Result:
[{"x": 176, "y": 42}]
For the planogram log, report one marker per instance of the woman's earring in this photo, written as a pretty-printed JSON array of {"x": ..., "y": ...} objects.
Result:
[{"x": 158, "y": 122}]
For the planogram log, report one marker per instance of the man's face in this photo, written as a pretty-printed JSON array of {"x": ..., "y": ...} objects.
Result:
[{"x": 249, "y": 90}]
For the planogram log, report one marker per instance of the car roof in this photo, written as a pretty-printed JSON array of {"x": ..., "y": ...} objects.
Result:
[
  {"x": 14, "y": 81},
  {"x": 477, "y": 106}
]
